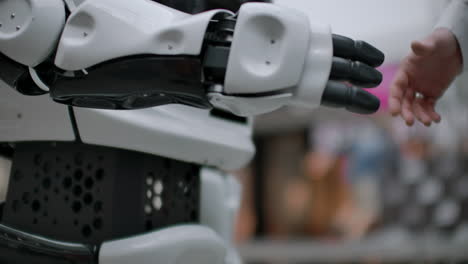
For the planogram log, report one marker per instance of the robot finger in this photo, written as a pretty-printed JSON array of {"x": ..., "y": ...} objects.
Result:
[
  {"x": 352, "y": 98},
  {"x": 356, "y": 72},
  {"x": 357, "y": 50}
]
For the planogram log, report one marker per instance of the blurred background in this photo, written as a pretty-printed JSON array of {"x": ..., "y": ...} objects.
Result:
[{"x": 331, "y": 187}]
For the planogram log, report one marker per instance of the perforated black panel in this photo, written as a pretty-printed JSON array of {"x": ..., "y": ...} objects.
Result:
[
  {"x": 164, "y": 192},
  {"x": 88, "y": 194}
]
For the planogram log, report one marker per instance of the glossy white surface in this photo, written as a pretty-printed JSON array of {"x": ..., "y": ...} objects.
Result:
[
  {"x": 177, "y": 245},
  {"x": 29, "y": 29},
  {"x": 32, "y": 118},
  {"x": 174, "y": 131},
  {"x": 268, "y": 49},
  {"x": 316, "y": 73},
  {"x": 220, "y": 202},
  {"x": 102, "y": 30}
]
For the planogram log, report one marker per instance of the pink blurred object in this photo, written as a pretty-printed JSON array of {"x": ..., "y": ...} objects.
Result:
[{"x": 383, "y": 90}]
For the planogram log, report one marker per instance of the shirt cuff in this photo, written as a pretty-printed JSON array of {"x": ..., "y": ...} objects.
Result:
[{"x": 455, "y": 19}]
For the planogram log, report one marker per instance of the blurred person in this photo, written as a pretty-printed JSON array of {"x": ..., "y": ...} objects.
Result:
[
  {"x": 328, "y": 195},
  {"x": 432, "y": 65},
  {"x": 314, "y": 199},
  {"x": 324, "y": 173},
  {"x": 339, "y": 193},
  {"x": 372, "y": 156},
  {"x": 246, "y": 219}
]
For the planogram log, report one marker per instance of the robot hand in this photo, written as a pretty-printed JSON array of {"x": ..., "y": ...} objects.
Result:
[
  {"x": 353, "y": 62},
  {"x": 127, "y": 55}
]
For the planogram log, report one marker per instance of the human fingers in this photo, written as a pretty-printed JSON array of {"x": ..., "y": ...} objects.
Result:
[
  {"x": 407, "y": 108},
  {"x": 422, "y": 115},
  {"x": 397, "y": 91},
  {"x": 429, "y": 107},
  {"x": 423, "y": 48}
]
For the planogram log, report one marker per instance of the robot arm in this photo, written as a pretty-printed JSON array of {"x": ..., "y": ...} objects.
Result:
[
  {"x": 121, "y": 54},
  {"x": 112, "y": 54}
]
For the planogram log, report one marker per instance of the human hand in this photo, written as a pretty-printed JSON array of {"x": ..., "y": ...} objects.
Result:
[{"x": 428, "y": 70}]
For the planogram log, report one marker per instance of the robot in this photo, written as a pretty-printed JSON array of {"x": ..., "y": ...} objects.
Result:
[{"x": 122, "y": 117}]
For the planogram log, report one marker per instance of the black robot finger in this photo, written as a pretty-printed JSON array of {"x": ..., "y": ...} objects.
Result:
[
  {"x": 356, "y": 72},
  {"x": 353, "y": 99},
  {"x": 357, "y": 50}
]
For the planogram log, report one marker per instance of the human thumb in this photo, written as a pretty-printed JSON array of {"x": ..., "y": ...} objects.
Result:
[{"x": 423, "y": 48}]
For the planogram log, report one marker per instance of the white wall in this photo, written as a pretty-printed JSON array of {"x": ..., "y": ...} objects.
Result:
[{"x": 391, "y": 25}]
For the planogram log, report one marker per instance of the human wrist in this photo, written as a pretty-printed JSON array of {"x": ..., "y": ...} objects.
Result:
[{"x": 447, "y": 45}]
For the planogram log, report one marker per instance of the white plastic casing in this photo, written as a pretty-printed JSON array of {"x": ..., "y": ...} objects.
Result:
[
  {"x": 102, "y": 30},
  {"x": 72, "y": 4},
  {"x": 249, "y": 106},
  {"x": 30, "y": 29},
  {"x": 268, "y": 49},
  {"x": 174, "y": 131},
  {"x": 317, "y": 68},
  {"x": 275, "y": 49},
  {"x": 220, "y": 202},
  {"x": 32, "y": 118},
  {"x": 192, "y": 244}
]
